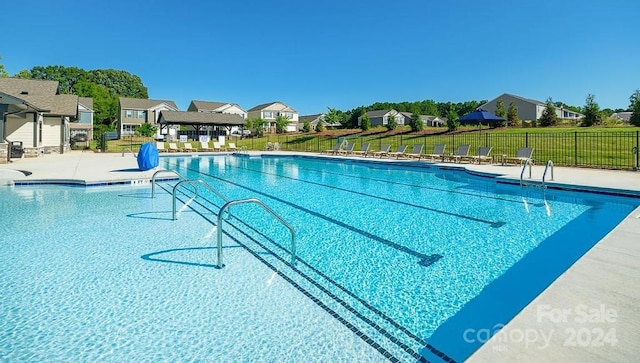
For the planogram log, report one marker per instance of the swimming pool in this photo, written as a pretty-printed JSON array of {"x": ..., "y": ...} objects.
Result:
[{"x": 393, "y": 260}]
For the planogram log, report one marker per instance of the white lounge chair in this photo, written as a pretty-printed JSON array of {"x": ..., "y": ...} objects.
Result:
[
  {"x": 347, "y": 150},
  {"x": 160, "y": 146},
  {"x": 204, "y": 146},
  {"x": 364, "y": 149},
  {"x": 384, "y": 150},
  {"x": 483, "y": 154},
  {"x": 174, "y": 147},
  {"x": 399, "y": 152},
  {"x": 339, "y": 145},
  {"x": 438, "y": 152},
  {"x": 216, "y": 146},
  {"x": 522, "y": 155},
  {"x": 232, "y": 146},
  {"x": 461, "y": 152},
  {"x": 416, "y": 152},
  {"x": 188, "y": 147}
]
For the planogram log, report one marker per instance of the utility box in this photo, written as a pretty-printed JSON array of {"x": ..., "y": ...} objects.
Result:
[{"x": 16, "y": 150}]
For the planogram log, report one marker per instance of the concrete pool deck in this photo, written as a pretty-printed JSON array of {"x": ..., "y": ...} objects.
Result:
[{"x": 591, "y": 312}]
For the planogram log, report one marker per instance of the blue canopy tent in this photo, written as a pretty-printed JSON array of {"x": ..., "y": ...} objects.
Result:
[{"x": 480, "y": 116}]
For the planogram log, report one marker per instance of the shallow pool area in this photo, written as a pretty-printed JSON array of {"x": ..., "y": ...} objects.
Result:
[{"x": 388, "y": 258}]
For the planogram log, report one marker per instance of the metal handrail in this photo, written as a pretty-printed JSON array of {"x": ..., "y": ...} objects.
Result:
[
  {"x": 125, "y": 149},
  {"x": 194, "y": 183},
  {"x": 153, "y": 179},
  {"x": 524, "y": 167},
  {"x": 549, "y": 163},
  {"x": 270, "y": 211}
]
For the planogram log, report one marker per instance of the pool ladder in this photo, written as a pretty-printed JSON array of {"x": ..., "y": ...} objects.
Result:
[
  {"x": 529, "y": 163},
  {"x": 223, "y": 209}
]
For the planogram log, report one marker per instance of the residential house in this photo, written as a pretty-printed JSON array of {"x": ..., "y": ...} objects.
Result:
[
  {"x": 217, "y": 107},
  {"x": 313, "y": 121},
  {"x": 36, "y": 116},
  {"x": 427, "y": 120},
  {"x": 623, "y": 116},
  {"x": 528, "y": 109},
  {"x": 81, "y": 131},
  {"x": 269, "y": 112},
  {"x": 134, "y": 112},
  {"x": 381, "y": 117}
]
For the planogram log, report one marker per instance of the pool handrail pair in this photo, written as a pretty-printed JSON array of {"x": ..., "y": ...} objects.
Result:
[
  {"x": 223, "y": 209},
  {"x": 529, "y": 162}
]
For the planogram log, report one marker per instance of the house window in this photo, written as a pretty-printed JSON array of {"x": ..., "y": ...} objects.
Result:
[
  {"x": 288, "y": 115},
  {"x": 85, "y": 118},
  {"x": 267, "y": 114},
  {"x": 141, "y": 114},
  {"x": 128, "y": 113}
]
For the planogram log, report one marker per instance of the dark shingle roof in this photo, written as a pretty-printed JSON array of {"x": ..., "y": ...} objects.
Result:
[
  {"x": 378, "y": 113},
  {"x": 42, "y": 95},
  {"x": 143, "y": 103},
  {"x": 199, "y": 118},
  {"x": 37, "y": 93},
  {"x": 64, "y": 105},
  {"x": 86, "y": 102},
  {"x": 205, "y": 105}
]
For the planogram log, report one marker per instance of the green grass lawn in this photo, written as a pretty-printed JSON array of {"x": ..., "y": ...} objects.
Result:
[{"x": 599, "y": 147}]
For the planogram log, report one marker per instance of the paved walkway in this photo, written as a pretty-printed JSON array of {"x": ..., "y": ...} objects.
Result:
[{"x": 602, "y": 288}]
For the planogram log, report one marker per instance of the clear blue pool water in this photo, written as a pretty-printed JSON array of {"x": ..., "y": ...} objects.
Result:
[{"x": 393, "y": 261}]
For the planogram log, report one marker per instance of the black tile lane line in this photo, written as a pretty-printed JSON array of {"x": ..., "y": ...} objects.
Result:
[
  {"x": 495, "y": 224},
  {"x": 324, "y": 290},
  {"x": 370, "y": 341},
  {"x": 335, "y": 283},
  {"x": 420, "y": 256}
]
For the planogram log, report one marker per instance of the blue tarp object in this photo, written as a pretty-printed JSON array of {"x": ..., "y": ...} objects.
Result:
[{"x": 148, "y": 157}]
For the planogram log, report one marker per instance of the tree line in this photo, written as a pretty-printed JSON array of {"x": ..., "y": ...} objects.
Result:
[{"x": 105, "y": 86}]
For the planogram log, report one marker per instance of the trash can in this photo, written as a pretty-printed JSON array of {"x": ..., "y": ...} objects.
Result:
[{"x": 16, "y": 150}]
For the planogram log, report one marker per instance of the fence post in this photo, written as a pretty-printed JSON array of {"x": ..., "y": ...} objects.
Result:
[
  {"x": 637, "y": 150},
  {"x": 575, "y": 148},
  {"x": 526, "y": 139}
]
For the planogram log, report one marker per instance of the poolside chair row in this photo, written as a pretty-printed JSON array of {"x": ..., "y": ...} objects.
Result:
[
  {"x": 462, "y": 153},
  {"x": 188, "y": 147}
]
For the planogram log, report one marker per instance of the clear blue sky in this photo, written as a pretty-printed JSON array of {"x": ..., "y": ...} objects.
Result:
[{"x": 342, "y": 54}]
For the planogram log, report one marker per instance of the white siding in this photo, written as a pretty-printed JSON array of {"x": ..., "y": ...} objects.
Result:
[
  {"x": 19, "y": 129},
  {"x": 236, "y": 110},
  {"x": 51, "y": 131}
]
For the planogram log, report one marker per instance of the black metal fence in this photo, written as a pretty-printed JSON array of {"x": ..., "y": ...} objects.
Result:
[{"x": 606, "y": 150}]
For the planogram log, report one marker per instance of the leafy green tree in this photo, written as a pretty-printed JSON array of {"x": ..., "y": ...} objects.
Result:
[
  {"x": 256, "y": 125},
  {"x": 119, "y": 82},
  {"x": 365, "y": 122},
  {"x": 500, "y": 111},
  {"x": 24, "y": 74},
  {"x": 391, "y": 122},
  {"x": 306, "y": 127},
  {"x": 512, "y": 115},
  {"x": 634, "y": 107},
  {"x": 548, "y": 117},
  {"x": 320, "y": 126},
  {"x": 146, "y": 130},
  {"x": 591, "y": 110},
  {"x": 335, "y": 116},
  {"x": 105, "y": 104},
  {"x": 281, "y": 124},
  {"x": 452, "y": 120},
  {"x": 416, "y": 122},
  {"x": 3, "y": 73}
]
